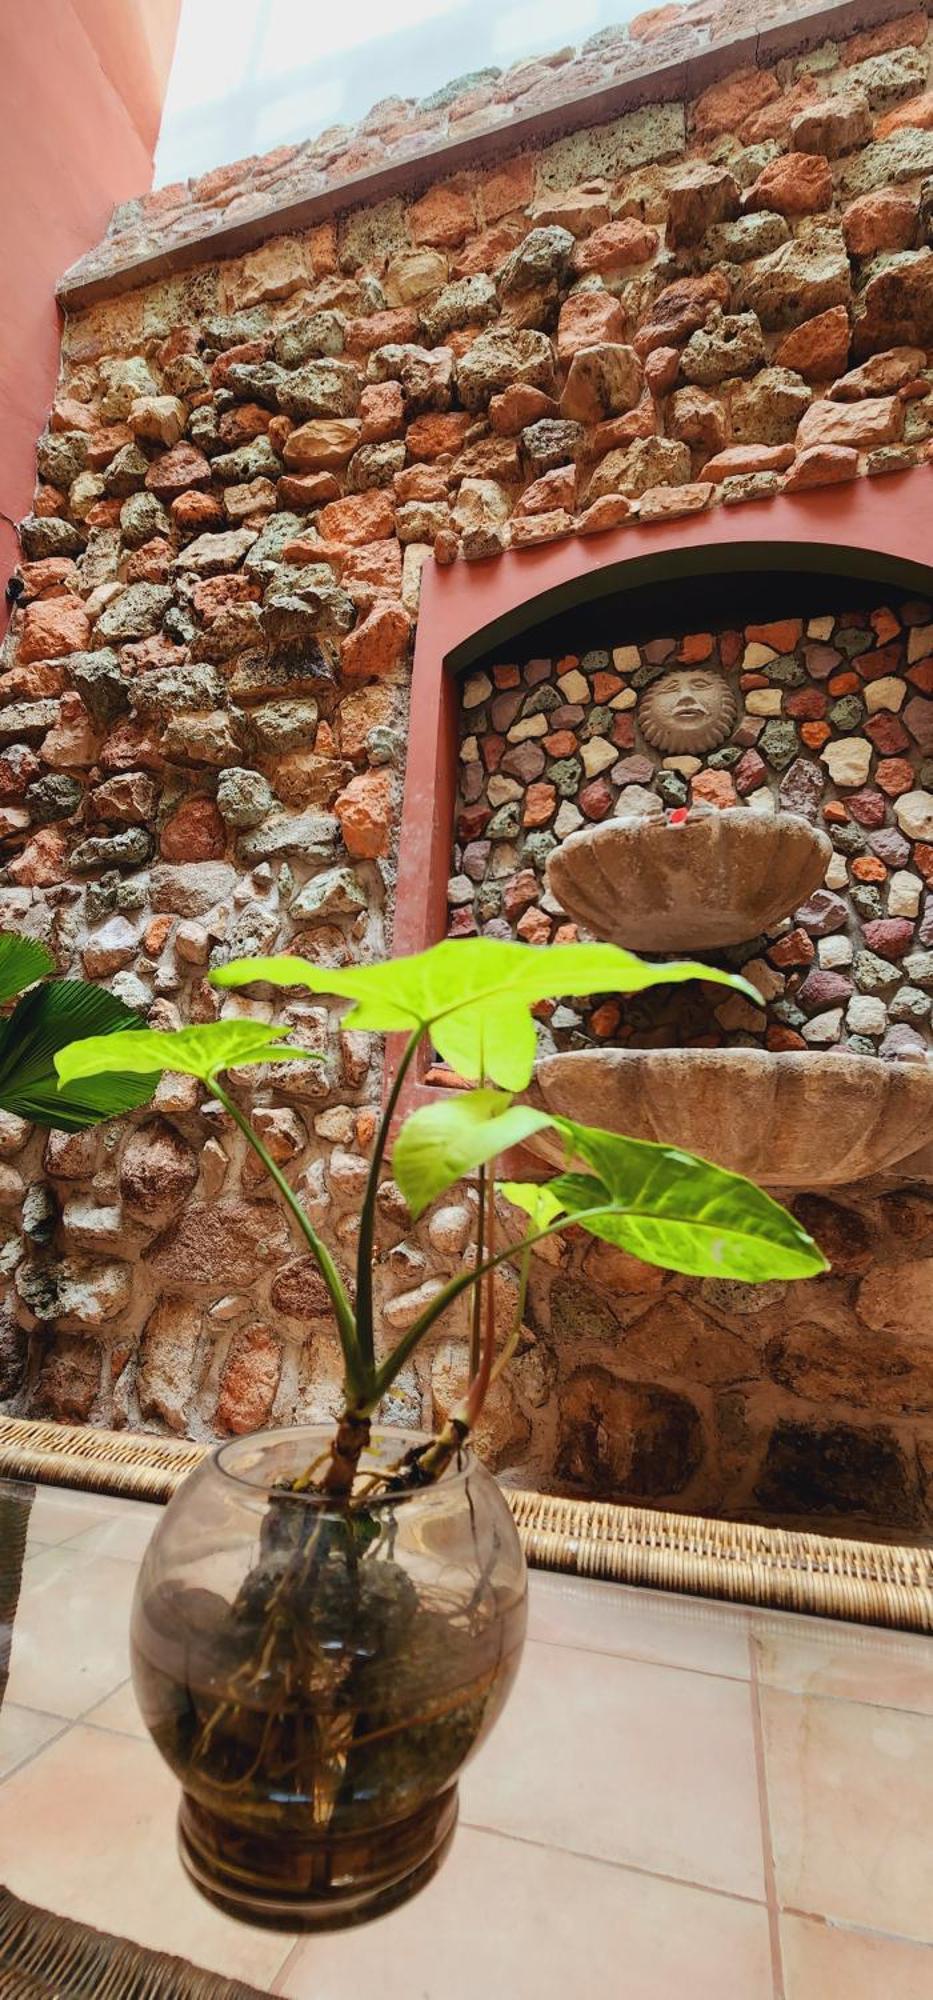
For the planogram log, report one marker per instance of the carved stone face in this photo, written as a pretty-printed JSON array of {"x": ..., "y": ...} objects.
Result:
[{"x": 690, "y": 710}]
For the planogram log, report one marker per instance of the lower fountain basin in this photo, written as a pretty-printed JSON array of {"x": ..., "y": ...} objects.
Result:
[
  {"x": 712, "y": 879},
  {"x": 787, "y": 1120}
]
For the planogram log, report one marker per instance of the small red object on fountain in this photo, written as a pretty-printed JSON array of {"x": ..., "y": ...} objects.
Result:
[{"x": 677, "y": 815}]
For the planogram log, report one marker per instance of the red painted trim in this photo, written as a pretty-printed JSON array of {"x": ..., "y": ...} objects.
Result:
[
  {"x": 426, "y": 833},
  {"x": 869, "y": 527},
  {"x": 881, "y": 526}
]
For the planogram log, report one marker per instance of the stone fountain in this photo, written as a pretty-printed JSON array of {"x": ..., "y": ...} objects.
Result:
[
  {"x": 709, "y": 879},
  {"x": 802, "y": 1119},
  {"x": 698, "y": 881}
]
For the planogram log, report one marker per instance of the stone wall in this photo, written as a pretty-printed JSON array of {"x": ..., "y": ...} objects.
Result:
[{"x": 203, "y": 701}]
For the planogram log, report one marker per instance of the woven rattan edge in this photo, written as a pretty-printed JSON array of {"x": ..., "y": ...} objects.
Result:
[
  {"x": 872, "y": 1583},
  {"x": 42, "y": 1954}
]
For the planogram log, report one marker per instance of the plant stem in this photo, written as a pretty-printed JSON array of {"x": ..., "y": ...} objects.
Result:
[
  {"x": 346, "y": 1451},
  {"x": 481, "y": 1376},
  {"x": 359, "y": 1379},
  {"x": 516, "y": 1328},
  {"x": 428, "y": 1465},
  {"x": 476, "y": 1311},
  {"x": 364, "y": 1254},
  {"x": 385, "y": 1375}
]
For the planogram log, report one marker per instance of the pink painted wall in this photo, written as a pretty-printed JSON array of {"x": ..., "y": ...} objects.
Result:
[{"x": 82, "y": 91}]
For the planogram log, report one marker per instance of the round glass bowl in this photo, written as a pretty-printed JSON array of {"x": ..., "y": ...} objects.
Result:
[{"x": 317, "y": 1675}]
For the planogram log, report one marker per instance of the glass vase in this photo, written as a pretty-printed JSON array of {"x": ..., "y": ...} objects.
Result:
[{"x": 317, "y": 1674}]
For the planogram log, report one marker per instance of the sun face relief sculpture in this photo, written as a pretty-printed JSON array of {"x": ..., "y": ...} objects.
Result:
[{"x": 688, "y": 711}]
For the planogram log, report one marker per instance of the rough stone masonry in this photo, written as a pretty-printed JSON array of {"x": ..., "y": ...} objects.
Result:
[{"x": 203, "y": 700}]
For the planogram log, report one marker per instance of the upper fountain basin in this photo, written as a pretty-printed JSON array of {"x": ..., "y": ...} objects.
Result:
[{"x": 712, "y": 879}]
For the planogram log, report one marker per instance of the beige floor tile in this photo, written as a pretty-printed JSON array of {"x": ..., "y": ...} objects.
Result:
[
  {"x": 71, "y": 1635},
  {"x": 118, "y": 1711},
  {"x": 23, "y": 1731},
  {"x": 627, "y": 1762},
  {"x": 99, "y": 1813},
  {"x": 849, "y": 1790},
  {"x": 519, "y": 1922},
  {"x": 126, "y": 1537},
  {"x": 56, "y": 1514},
  {"x": 640, "y": 1624},
  {"x": 854, "y": 1662},
  {"x": 822, "y": 1962}
]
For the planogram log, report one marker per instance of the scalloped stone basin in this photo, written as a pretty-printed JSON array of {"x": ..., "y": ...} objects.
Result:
[
  {"x": 788, "y": 1120},
  {"x": 713, "y": 879}
]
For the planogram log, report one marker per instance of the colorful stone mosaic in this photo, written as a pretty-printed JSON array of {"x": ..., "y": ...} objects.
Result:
[{"x": 831, "y": 718}]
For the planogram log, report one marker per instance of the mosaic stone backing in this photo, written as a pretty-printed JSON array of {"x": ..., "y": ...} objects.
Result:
[{"x": 835, "y": 722}]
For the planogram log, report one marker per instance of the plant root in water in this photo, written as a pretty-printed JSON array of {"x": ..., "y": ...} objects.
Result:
[{"x": 333, "y": 1695}]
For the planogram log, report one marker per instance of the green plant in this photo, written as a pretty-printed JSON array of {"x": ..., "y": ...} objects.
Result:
[
  {"x": 332, "y": 1689},
  {"x": 474, "y": 1001},
  {"x": 45, "y": 1019}
]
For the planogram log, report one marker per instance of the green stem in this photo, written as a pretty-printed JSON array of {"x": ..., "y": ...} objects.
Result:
[
  {"x": 364, "y": 1254},
  {"x": 516, "y": 1328},
  {"x": 430, "y": 1463},
  {"x": 385, "y": 1375},
  {"x": 477, "y": 1305},
  {"x": 480, "y": 1376},
  {"x": 476, "y": 1313},
  {"x": 359, "y": 1379}
]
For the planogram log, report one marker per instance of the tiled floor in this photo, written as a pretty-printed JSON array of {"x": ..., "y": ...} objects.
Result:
[{"x": 683, "y": 1801}]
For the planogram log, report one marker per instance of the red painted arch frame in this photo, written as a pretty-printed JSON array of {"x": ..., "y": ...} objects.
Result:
[{"x": 870, "y": 528}]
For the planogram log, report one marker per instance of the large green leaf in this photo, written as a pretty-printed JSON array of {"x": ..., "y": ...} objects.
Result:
[
  {"x": 22, "y": 960},
  {"x": 441, "y": 1142},
  {"x": 42, "y": 1024},
  {"x": 676, "y": 1210},
  {"x": 202, "y": 1052},
  {"x": 537, "y": 1200},
  {"x": 474, "y": 995}
]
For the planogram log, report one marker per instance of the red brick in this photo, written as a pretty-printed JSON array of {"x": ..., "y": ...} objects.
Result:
[
  {"x": 361, "y": 517},
  {"x": 595, "y": 800},
  {"x": 51, "y": 626},
  {"x": 890, "y": 937},
  {"x": 382, "y": 412},
  {"x": 894, "y": 776},
  {"x": 364, "y": 809},
  {"x": 797, "y": 948},
  {"x": 443, "y": 217},
  {"x": 725, "y": 105},
  {"x": 795, "y": 184},
  {"x": 378, "y": 646},
  {"x": 430, "y": 436},
  {"x": 819, "y": 348},
  {"x": 616, "y": 247},
  {"x": 195, "y": 832}
]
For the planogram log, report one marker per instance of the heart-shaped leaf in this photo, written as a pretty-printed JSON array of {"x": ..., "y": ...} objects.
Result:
[
  {"x": 675, "y": 1210},
  {"x": 474, "y": 995},
  {"x": 441, "y": 1142},
  {"x": 201, "y": 1052}
]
